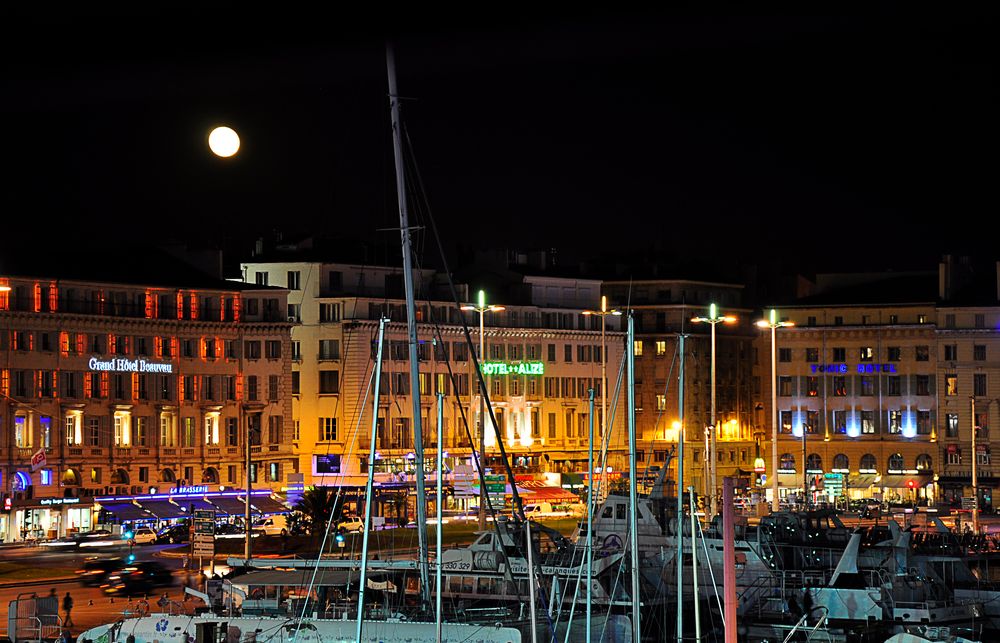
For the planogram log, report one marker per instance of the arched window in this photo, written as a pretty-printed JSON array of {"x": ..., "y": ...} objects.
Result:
[
  {"x": 210, "y": 476},
  {"x": 167, "y": 475},
  {"x": 787, "y": 461},
  {"x": 868, "y": 462},
  {"x": 20, "y": 481},
  {"x": 924, "y": 462},
  {"x": 841, "y": 461},
  {"x": 814, "y": 462},
  {"x": 120, "y": 476},
  {"x": 71, "y": 478},
  {"x": 896, "y": 461}
]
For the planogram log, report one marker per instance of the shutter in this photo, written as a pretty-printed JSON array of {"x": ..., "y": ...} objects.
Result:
[{"x": 932, "y": 383}]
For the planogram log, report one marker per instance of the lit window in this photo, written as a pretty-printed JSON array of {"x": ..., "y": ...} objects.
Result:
[{"x": 661, "y": 347}]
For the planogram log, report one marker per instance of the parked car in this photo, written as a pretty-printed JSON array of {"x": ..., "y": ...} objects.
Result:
[
  {"x": 276, "y": 525},
  {"x": 144, "y": 536},
  {"x": 350, "y": 524},
  {"x": 95, "y": 571},
  {"x": 173, "y": 534},
  {"x": 138, "y": 578}
]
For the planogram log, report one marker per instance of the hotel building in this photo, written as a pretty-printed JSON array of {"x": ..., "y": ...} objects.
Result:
[
  {"x": 136, "y": 387},
  {"x": 542, "y": 357}
]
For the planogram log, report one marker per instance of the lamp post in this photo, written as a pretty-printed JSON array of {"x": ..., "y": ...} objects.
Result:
[
  {"x": 773, "y": 323},
  {"x": 481, "y": 308},
  {"x": 713, "y": 318},
  {"x": 603, "y": 312}
]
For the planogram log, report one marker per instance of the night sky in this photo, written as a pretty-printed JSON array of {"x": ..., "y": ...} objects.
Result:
[{"x": 823, "y": 142}]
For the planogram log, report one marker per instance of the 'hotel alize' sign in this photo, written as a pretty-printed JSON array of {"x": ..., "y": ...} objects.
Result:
[{"x": 509, "y": 368}]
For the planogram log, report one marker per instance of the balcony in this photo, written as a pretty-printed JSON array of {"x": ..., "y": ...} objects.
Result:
[
  {"x": 255, "y": 450},
  {"x": 75, "y": 451},
  {"x": 188, "y": 451},
  {"x": 232, "y": 450},
  {"x": 123, "y": 452},
  {"x": 97, "y": 451},
  {"x": 168, "y": 451},
  {"x": 143, "y": 450},
  {"x": 213, "y": 451}
]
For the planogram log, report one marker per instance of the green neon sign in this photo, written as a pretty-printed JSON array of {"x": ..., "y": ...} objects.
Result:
[{"x": 510, "y": 368}]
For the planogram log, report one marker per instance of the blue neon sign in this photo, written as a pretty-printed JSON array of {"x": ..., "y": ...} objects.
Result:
[{"x": 860, "y": 368}]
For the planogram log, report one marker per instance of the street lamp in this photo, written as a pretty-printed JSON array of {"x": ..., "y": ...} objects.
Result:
[
  {"x": 482, "y": 308},
  {"x": 713, "y": 318},
  {"x": 603, "y": 312},
  {"x": 773, "y": 323}
]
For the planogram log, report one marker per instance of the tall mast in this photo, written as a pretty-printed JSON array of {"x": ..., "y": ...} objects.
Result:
[
  {"x": 679, "y": 560},
  {"x": 411, "y": 327},
  {"x": 633, "y": 526}
]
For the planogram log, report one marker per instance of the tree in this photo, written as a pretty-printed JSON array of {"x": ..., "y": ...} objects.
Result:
[{"x": 319, "y": 505}]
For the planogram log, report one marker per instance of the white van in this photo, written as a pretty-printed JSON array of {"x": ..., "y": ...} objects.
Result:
[
  {"x": 543, "y": 510},
  {"x": 276, "y": 525}
]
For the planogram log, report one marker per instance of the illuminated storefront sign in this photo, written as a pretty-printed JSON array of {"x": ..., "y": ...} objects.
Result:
[
  {"x": 58, "y": 501},
  {"x": 123, "y": 365},
  {"x": 508, "y": 368},
  {"x": 859, "y": 368},
  {"x": 192, "y": 489}
]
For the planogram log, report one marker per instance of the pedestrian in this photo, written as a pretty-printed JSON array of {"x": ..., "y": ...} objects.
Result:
[
  {"x": 67, "y": 605},
  {"x": 164, "y": 601}
]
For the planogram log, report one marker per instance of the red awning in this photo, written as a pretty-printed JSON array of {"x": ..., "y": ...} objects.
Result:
[{"x": 537, "y": 491}]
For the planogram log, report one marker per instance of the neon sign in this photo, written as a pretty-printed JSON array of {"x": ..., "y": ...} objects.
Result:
[
  {"x": 122, "y": 365},
  {"x": 509, "y": 368},
  {"x": 861, "y": 368}
]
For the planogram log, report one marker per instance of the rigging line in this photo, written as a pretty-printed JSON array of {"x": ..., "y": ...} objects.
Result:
[
  {"x": 708, "y": 563},
  {"x": 518, "y": 506}
]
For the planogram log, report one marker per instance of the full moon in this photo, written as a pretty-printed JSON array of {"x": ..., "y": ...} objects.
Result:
[{"x": 224, "y": 142}]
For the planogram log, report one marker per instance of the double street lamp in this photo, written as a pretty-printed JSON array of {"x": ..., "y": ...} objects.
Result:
[
  {"x": 603, "y": 312},
  {"x": 773, "y": 323},
  {"x": 482, "y": 308},
  {"x": 713, "y": 318}
]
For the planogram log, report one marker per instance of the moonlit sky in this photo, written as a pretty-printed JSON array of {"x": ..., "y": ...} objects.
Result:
[{"x": 826, "y": 142}]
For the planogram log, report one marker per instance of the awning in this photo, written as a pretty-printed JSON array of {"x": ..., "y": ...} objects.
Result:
[
  {"x": 162, "y": 509},
  {"x": 267, "y": 505},
  {"x": 126, "y": 511},
  {"x": 195, "y": 504},
  {"x": 860, "y": 481},
  {"x": 229, "y": 505},
  {"x": 903, "y": 481},
  {"x": 550, "y": 494}
]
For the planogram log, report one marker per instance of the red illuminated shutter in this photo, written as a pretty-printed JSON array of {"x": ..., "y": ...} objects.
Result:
[
  {"x": 150, "y": 305},
  {"x": 197, "y": 388},
  {"x": 5, "y": 382},
  {"x": 222, "y": 308},
  {"x": 105, "y": 381},
  {"x": 112, "y": 344},
  {"x": 88, "y": 385},
  {"x": 180, "y": 389},
  {"x": 194, "y": 305},
  {"x": 64, "y": 343},
  {"x": 135, "y": 386},
  {"x": 4, "y": 296},
  {"x": 53, "y": 297},
  {"x": 180, "y": 306},
  {"x": 38, "y": 297},
  {"x": 236, "y": 308},
  {"x": 239, "y": 387},
  {"x": 39, "y": 375},
  {"x": 81, "y": 343},
  {"x": 157, "y": 347},
  {"x": 174, "y": 343}
]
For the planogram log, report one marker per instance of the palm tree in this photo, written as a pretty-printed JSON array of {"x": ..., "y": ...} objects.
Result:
[{"x": 318, "y": 505}]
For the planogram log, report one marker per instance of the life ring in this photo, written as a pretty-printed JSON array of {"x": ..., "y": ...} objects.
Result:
[{"x": 612, "y": 541}]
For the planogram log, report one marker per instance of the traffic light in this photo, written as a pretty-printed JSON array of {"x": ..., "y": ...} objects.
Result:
[
  {"x": 130, "y": 559},
  {"x": 340, "y": 539},
  {"x": 127, "y": 534}
]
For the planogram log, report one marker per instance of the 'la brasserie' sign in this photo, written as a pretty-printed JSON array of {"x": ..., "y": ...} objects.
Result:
[{"x": 124, "y": 365}]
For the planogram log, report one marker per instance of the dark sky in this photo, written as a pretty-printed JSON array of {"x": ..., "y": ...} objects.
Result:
[{"x": 820, "y": 141}]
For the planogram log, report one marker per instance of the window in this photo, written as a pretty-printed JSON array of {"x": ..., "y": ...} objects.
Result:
[
  {"x": 260, "y": 278},
  {"x": 949, "y": 320},
  {"x": 924, "y": 423},
  {"x": 980, "y": 320},
  {"x": 811, "y": 320},
  {"x": 894, "y": 353},
  {"x": 979, "y": 384},
  {"x": 142, "y": 431},
  {"x": 567, "y": 353},
  {"x": 272, "y": 349},
  {"x": 329, "y": 312},
  {"x": 294, "y": 280},
  {"x": 953, "y": 456},
  {"x": 272, "y": 388},
  {"x": 983, "y": 454},
  {"x": 979, "y": 353},
  {"x": 923, "y": 384},
  {"x": 951, "y": 384},
  {"x": 784, "y": 354},
  {"x": 841, "y": 462},
  {"x": 188, "y": 433},
  {"x": 838, "y": 320},
  {"x": 893, "y": 385},
  {"x": 661, "y": 402},
  {"x": 951, "y": 425},
  {"x": 93, "y": 435},
  {"x": 868, "y": 462},
  {"x": 274, "y": 424},
  {"x": 867, "y": 385},
  {"x": 232, "y": 432},
  {"x": 924, "y": 462},
  {"x": 252, "y": 394},
  {"x": 840, "y": 422},
  {"x": 893, "y": 319},
  {"x": 866, "y": 354},
  {"x": 895, "y": 422},
  {"x": 785, "y": 386},
  {"x": 661, "y": 347},
  {"x": 787, "y": 462},
  {"x": 950, "y": 352},
  {"x": 812, "y": 386},
  {"x": 329, "y": 382},
  {"x": 895, "y": 461},
  {"x": 868, "y": 422},
  {"x": 551, "y": 352},
  {"x": 923, "y": 353},
  {"x": 637, "y": 348},
  {"x": 812, "y": 355},
  {"x": 840, "y": 386},
  {"x": 839, "y": 354},
  {"x": 786, "y": 422},
  {"x": 251, "y": 349}
]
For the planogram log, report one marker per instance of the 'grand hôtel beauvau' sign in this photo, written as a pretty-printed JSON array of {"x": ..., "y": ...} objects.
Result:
[{"x": 124, "y": 365}]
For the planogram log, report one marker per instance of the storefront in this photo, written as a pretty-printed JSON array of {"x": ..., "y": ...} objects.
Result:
[
  {"x": 178, "y": 504},
  {"x": 47, "y": 518}
]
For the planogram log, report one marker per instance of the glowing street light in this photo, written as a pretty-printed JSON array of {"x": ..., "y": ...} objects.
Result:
[
  {"x": 773, "y": 323},
  {"x": 713, "y": 318},
  {"x": 603, "y": 312},
  {"x": 482, "y": 308}
]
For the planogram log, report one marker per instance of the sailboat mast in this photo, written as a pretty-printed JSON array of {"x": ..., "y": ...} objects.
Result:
[
  {"x": 411, "y": 327},
  {"x": 437, "y": 507},
  {"x": 633, "y": 526},
  {"x": 679, "y": 560},
  {"x": 369, "y": 498}
]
